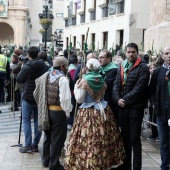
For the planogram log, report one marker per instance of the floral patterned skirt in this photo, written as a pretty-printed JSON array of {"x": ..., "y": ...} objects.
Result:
[{"x": 94, "y": 143}]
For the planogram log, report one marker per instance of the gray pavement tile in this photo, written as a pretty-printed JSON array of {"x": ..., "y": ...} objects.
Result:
[
  {"x": 32, "y": 168},
  {"x": 12, "y": 163},
  {"x": 11, "y": 168}
]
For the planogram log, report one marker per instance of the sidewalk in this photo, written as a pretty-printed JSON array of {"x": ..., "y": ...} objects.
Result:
[{"x": 12, "y": 159}]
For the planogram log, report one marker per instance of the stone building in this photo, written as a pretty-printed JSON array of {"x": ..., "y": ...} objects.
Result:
[
  {"x": 111, "y": 22},
  {"x": 158, "y": 33},
  {"x": 19, "y": 21}
]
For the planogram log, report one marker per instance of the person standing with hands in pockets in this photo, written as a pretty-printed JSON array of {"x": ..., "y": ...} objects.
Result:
[{"x": 160, "y": 94}]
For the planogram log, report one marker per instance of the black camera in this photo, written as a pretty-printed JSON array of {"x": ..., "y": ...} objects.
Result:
[{"x": 23, "y": 58}]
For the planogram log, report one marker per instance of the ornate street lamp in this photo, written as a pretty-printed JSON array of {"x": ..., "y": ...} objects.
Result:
[{"x": 46, "y": 22}]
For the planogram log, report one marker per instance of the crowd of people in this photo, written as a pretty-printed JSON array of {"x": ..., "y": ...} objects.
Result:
[{"x": 100, "y": 98}]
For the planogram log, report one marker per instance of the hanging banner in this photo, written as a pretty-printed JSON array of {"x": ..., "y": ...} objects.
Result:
[
  {"x": 111, "y": 7},
  {"x": 3, "y": 8},
  {"x": 70, "y": 13},
  {"x": 78, "y": 4}
]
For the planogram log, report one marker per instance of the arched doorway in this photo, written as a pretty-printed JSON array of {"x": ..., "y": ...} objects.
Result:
[{"x": 6, "y": 34}]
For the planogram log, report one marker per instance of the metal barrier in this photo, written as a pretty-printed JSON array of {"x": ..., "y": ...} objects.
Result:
[{"x": 151, "y": 120}]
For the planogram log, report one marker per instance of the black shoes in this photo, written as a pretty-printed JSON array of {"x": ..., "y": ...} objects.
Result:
[
  {"x": 151, "y": 137},
  {"x": 29, "y": 149},
  {"x": 15, "y": 109}
]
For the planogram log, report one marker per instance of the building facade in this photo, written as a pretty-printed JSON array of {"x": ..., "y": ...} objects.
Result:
[
  {"x": 111, "y": 23},
  {"x": 19, "y": 21},
  {"x": 158, "y": 35}
]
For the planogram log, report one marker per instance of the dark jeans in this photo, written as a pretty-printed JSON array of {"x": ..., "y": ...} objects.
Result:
[
  {"x": 27, "y": 111},
  {"x": 54, "y": 139},
  {"x": 2, "y": 90},
  {"x": 130, "y": 121},
  {"x": 164, "y": 139}
]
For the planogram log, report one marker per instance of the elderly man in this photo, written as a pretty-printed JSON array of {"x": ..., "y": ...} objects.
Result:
[
  {"x": 160, "y": 94},
  {"x": 130, "y": 92},
  {"x": 53, "y": 98}
]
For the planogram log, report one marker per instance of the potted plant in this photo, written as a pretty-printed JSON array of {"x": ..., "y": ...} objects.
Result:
[
  {"x": 42, "y": 31},
  {"x": 46, "y": 23}
]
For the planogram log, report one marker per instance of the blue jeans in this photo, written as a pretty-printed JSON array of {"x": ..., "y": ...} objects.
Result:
[
  {"x": 163, "y": 133},
  {"x": 27, "y": 111}
]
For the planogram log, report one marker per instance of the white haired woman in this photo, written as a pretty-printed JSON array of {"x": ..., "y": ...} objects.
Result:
[{"x": 95, "y": 142}]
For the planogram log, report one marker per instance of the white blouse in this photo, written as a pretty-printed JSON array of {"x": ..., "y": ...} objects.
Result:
[{"x": 65, "y": 95}]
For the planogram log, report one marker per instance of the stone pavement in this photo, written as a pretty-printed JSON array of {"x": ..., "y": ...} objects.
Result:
[{"x": 11, "y": 159}]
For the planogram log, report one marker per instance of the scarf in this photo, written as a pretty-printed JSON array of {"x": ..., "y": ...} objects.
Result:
[
  {"x": 94, "y": 80},
  {"x": 71, "y": 67},
  {"x": 126, "y": 66},
  {"x": 54, "y": 74},
  {"x": 108, "y": 67},
  {"x": 167, "y": 68}
]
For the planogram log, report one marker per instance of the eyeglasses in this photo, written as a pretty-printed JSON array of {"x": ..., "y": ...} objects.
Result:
[{"x": 102, "y": 57}]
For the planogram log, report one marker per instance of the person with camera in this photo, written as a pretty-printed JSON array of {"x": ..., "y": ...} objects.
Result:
[
  {"x": 15, "y": 93},
  {"x": 30, "y": 71}
]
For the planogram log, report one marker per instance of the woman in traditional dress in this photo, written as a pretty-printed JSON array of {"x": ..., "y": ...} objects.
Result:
[{"x": 95, "y": 142}]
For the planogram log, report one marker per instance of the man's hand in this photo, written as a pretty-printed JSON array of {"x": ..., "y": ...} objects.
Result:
[
  {"x": 168, "y": 122},
  {"x": 121, "y": 103}
]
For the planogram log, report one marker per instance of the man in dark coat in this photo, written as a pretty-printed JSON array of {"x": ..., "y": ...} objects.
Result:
[
  {"x": 160, "y": 95},
  {"x": 30, "y": 71},
  {"x": 129, "y": 91},
  {"x": 108, "y": 70}
]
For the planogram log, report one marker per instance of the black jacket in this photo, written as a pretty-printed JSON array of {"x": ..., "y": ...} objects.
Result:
[
  {"x": 135, "y": 91},
  {"x": 109, "y": 79},
  {"x": 30, "y": 71},
  {"x": 160, "y": 93}
]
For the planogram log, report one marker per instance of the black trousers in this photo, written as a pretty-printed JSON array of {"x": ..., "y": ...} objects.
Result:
[
  {"x": 54, "y": 139},
  {"x": 2, "y": 90},
  {"x": 130, "y": 121}
]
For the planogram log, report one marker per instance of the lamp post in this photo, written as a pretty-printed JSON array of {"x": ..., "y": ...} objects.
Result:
[{"x": 46, "y": 26}]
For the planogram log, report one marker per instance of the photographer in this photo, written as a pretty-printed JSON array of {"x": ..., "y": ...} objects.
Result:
[
  {"x": 22, "y": 60},
  {"x": 30, "y": 71}
]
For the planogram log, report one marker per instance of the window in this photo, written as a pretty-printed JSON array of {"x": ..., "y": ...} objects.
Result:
[
  {"x": 105, "y": 40},
  {"x": 82, "y": 18},
  {"x": 67, "y": 42},
  {"x": 119, "y": 38},
  {"x": 74, "y": 21},
  {"x": 105, "y": 10},
  {"x": 93, "y": 38},
  {"x": 66, "y": 23},
  {"x": 74, "y": 42},
  {"x": 93, "y": 13},
  {"x": 119, "y": 6},
  {"x": 93, "y": 41},
  {"x": 82, "y": 41},
  {"x": 59, "y": 15}
]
